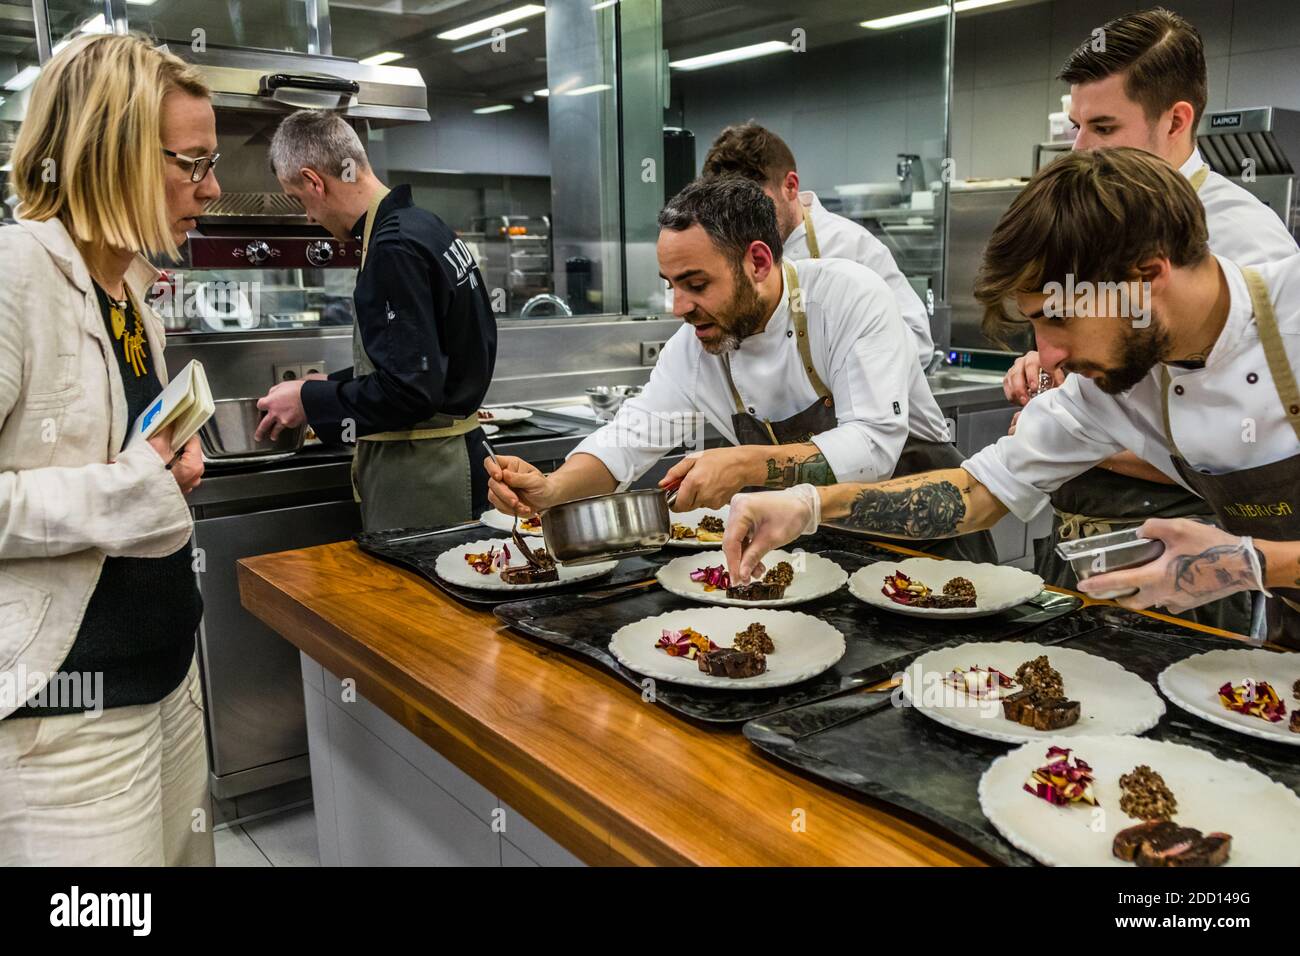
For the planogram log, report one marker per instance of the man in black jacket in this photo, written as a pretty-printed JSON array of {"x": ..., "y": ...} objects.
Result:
[{"x": 423, "y": 346}]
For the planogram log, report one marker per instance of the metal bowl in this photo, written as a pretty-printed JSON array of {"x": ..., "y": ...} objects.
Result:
[
  {"x": 229, "y": 432},
  {"x": 619, "y": 525},
  {"x": 606, "y": 399},
  {"x": 1117, "y": 551}
]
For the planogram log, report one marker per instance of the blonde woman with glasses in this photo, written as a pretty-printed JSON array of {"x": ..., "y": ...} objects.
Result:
[{"x": 102, "y": 752}]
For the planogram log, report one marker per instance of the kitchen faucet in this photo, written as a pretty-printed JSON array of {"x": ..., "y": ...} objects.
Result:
[
  {"x": 907, "y": 173},
  {"x": 543, "y": 299}
]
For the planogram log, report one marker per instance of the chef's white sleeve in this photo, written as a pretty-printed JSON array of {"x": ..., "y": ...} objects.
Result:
[
  {"x": 1061, "y": 433},
  {"x": 652, "y": 424},
  {"x": 873, "y": 358}
]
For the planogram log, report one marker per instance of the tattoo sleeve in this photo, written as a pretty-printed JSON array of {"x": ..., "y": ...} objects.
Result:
[
  {"x": 931, "y": 509},
  {"x": 813, "y": 470}
]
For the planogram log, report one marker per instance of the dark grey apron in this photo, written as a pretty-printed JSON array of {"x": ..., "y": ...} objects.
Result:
[
  {"x": 917, "y": 455},
  {"x": 1263, "y": 501}
]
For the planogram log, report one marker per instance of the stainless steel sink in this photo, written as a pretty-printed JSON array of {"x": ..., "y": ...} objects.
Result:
[{"x": 947, "y": 379}]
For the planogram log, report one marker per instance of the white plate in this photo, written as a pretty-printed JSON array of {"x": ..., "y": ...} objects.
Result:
[
  {"x": 1193, "y": 684},
  {"x": 804, "y": 646},
  {"x": 814, "y": 577},
  {"x": 1112, "y": 700},
  {"x": 997, "y": 587},
  {"x": 452, "y": 567},
  {"x": 692, "y": 519},
  {"x": 500, "y": 521},
  {"x": 489, "y": 429},
  {"x": 1261, "y": 815},
  {"x": 506, "y": 416}
]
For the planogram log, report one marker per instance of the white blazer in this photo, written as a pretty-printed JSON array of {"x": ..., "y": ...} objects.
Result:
[{"x": 67, "y": 498}]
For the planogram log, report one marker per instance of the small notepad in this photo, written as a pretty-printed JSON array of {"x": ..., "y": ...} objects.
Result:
[{"x": 185, "y": 404}]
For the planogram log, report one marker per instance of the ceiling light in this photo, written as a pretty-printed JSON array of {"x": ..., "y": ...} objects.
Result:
[
  {"x": 731, "y": 56},
  {"x": 500, "y": 107},
  {"x": 22, "y": 79},
  {"x": 379, "y": 59},
  {"x": 486, "y": 40},
  {"x": 541, "y": 92},
  {"x": 603, "y": 4},
  {"x": 142, "y": 3},
  {"x": 488, "y": 23},
  {"x": 927, "y": 13},
  {"x": 594, "y": 88}
]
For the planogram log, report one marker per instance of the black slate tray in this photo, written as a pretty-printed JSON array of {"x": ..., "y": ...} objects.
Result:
[
  {"x": 528, "y": 430},
  {"x": 421, "y": 551},
  {"x": 875, "y": 639},
  {"x": 864, "y": 743}
]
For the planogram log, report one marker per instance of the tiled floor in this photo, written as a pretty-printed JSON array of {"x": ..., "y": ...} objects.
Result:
[{"x": 283, "y": 839}]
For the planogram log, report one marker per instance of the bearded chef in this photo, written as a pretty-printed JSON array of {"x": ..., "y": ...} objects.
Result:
[
  {"x": 805, "y": 368},
  {"x": 1147, "y": 88},
  {"x": 808, "y": 229},
  {"x": 1193, "y": 367}
]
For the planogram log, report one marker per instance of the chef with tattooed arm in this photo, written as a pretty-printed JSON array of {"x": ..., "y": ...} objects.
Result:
[
  {"x": 1182, "y": 356},
  {"x": 806, "y": 368}
]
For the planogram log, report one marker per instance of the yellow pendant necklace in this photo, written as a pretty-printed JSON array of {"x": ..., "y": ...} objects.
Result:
[{"x": 132, "y": 342}]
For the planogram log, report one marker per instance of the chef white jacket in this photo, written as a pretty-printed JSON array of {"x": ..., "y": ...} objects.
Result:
[
  {"x": 1225, "y": 417},
  {"x": 860, "y": 348},
  {"x": 840, "y": 238},
  {"x": 1241, "y": 227}
]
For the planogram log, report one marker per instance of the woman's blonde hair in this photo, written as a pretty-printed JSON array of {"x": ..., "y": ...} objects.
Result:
[{"x": 90, "y": 149}]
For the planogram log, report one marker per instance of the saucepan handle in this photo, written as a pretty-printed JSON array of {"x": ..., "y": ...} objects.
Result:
[{"x": 672, "y": 493}]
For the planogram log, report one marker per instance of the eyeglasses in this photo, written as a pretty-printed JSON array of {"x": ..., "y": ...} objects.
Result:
[{"x": 198, "y": 166}]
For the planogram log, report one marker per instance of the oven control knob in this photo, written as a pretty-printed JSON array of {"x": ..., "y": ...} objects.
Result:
[
  {"x": 257, "y": 252},
  {"x": 320, "y": 252}
]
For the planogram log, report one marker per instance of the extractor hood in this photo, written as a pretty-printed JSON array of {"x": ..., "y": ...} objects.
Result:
[{"x": 261, "y": 81}]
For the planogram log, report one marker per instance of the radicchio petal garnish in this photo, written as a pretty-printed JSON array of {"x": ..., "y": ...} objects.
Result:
[
  {"x": 1254, "y": 699},
  {"x": 1062, "y": 781},
  {"x": 684, "y": 643},
  {"x": 714, "y": 578}
]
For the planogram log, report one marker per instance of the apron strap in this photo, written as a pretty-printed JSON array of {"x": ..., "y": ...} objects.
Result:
[
  {"x": 814, "y": 251},
  {"x": 731, "y": 384},
  {"x": 1271, "y": 339},
  {"x": 458, "y": 426},
  {"x": 799, "y": 318},
  {"x": 1198, "y": 178},
  {"x": 1074, "y": 526}
]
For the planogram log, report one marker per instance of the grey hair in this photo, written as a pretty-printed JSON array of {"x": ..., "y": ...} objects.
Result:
[
  {"x": 733, "y": 211},
  {"x": 319, "y": 140}
]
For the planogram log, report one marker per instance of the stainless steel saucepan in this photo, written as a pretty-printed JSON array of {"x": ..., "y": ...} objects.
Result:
[
  {"x": 604, "y": 527},
  {"x": 618, "y": 525},
  {"x": 229, "y": 432}
]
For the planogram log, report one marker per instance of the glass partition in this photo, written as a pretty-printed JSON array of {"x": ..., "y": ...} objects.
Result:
[
  {"x": 19, "y": 64},
  {"x": 862, "y": 104},
  {"x": 522, "y": 153},
  {"x": 261, "y": 24},
  {"x": 559, "y": 128}
]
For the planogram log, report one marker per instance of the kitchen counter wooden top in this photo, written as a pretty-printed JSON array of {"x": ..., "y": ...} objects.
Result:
[{"x": 614, "y": 779}]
